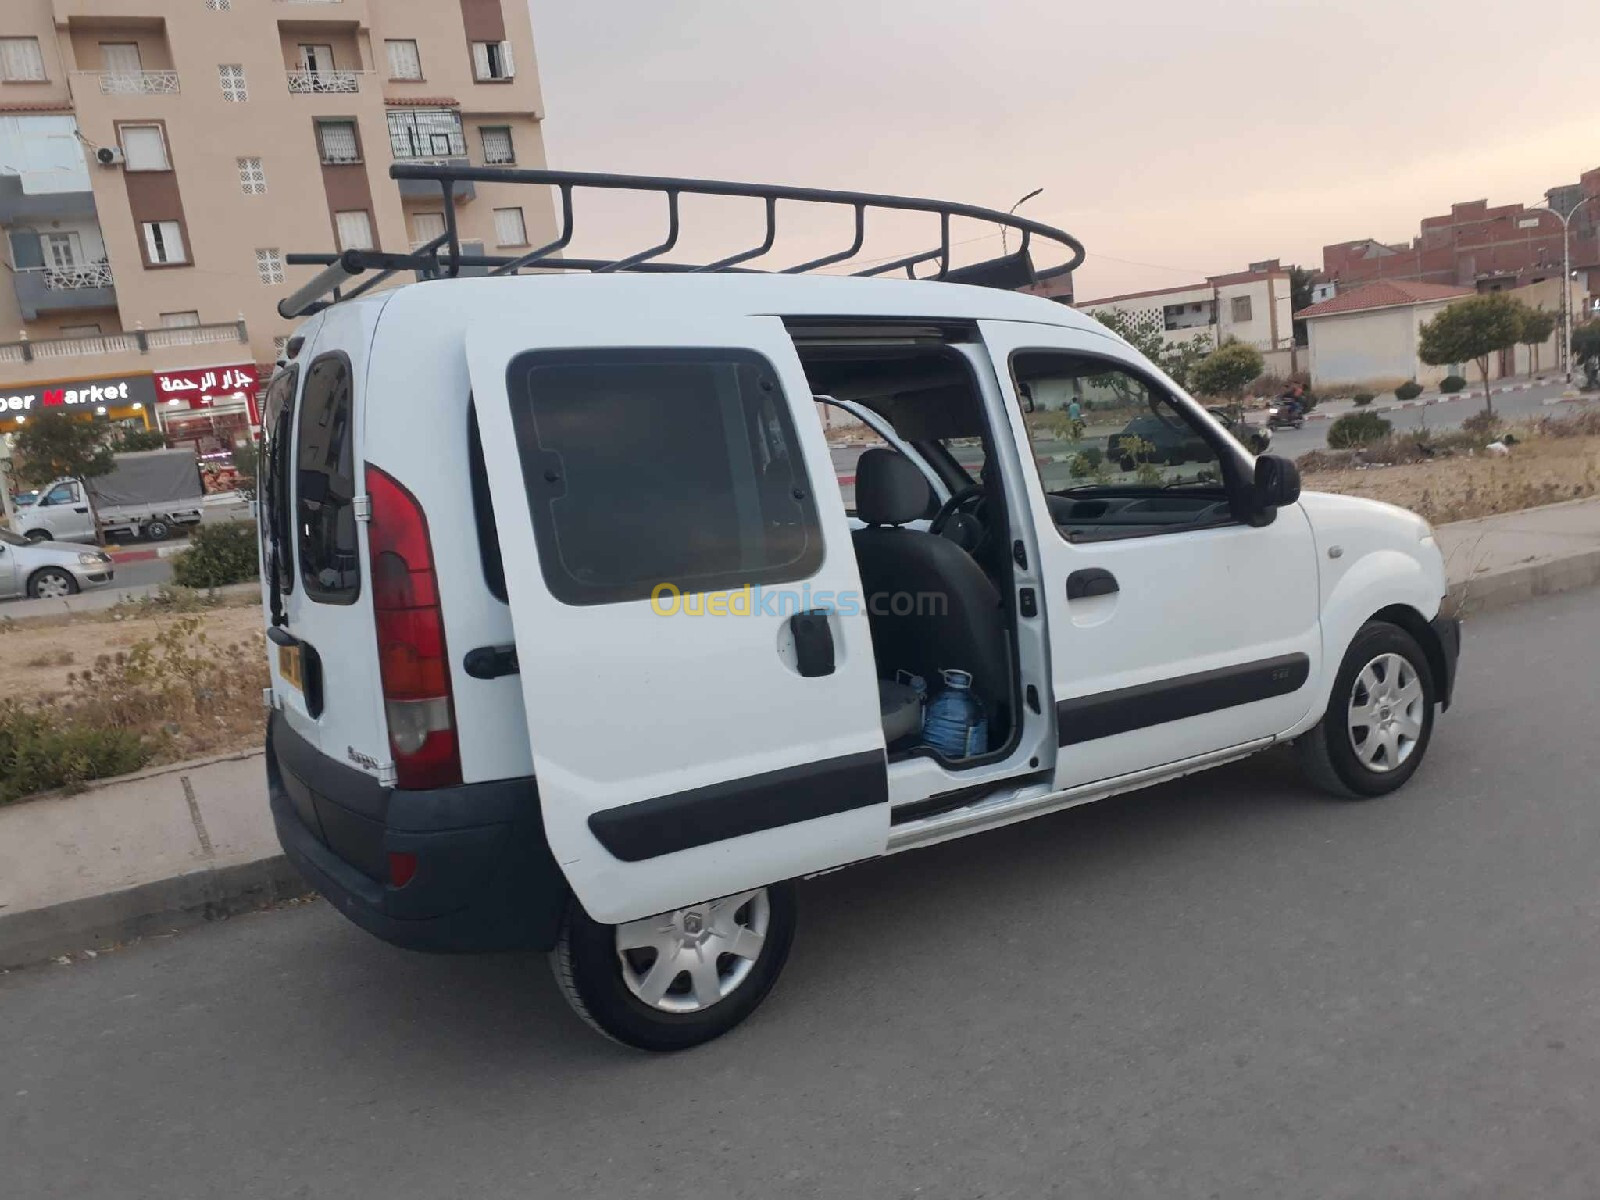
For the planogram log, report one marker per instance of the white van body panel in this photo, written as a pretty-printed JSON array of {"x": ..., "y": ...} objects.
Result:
[{"x": 625, "y": 704}]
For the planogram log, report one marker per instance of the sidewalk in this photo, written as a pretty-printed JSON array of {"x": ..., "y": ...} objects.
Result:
[{"x": 180, "y": 845}]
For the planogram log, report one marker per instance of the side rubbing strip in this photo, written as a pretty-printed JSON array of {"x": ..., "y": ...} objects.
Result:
[
  {"x": 718, "y": 811},
  {"x": 1085, "y": 718}
]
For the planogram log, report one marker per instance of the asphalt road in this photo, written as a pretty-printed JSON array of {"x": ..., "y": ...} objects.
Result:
[{"x": 1224, "y": 988}]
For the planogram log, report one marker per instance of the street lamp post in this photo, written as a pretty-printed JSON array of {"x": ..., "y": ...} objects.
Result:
[
  {"x": 1003, "y": 247},
  {"x": 1566, "y": 277}
]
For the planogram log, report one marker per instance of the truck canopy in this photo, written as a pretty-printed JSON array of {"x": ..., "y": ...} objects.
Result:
[{"x": 150, "y": 477}]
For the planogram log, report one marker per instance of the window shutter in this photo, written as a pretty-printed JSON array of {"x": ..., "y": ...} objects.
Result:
[
  {"x": 143, "y": 148},
  {"x": 480, "y": 60},
  {"x": 404, "y": 61},
  {"x": 497, "y": 145},
  {"x": 27, "y": 250},
  {"x": 339, "y": 142},
  {"x": 152, "y": 242},
  {"x": 121, "y": 58},
  {"x": 21, "y": 59},
  {"x": 506, "y": 69},
  {"x": 509, "y": 227},
  {"x": 173, "y": 235},
  {"x": 354, "y": 229},
  {"x": 426, "y": 226}
]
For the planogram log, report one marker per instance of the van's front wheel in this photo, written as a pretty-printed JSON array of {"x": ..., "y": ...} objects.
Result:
[{"x": 681, "y": 978}]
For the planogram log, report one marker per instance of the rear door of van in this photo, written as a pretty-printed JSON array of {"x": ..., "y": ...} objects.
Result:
[
  {"x": 323, "y": 654},
  {"x": 696, "y": 666}
]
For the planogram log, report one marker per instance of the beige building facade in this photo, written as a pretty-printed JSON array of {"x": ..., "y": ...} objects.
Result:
[
  {"x": 159, "y": 159},
  {"x": 1251, "y": 306}
]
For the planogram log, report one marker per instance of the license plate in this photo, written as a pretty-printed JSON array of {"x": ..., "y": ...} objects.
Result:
[{"x": 289, "y": 667}]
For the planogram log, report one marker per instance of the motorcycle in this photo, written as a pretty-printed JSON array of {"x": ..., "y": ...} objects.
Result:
[{"x": 1285, "y": 416}]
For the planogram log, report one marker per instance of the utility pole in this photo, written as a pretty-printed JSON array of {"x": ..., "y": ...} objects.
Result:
[{"x": 1566, "y": 277}]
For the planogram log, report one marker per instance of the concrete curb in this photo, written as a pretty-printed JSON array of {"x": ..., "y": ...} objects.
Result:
[
  {"x": 1511, "y": 586},
  {"x": 101, "y": 922}
]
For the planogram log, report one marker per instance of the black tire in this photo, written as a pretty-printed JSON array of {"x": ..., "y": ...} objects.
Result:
[
  {"x": 157, "y": 530},
  {"x": 46, "y": 575},
  {"x": 38, "y": 535},
  {"x": 1327, "y": 751},
  {"x": 589, "y": 968}
]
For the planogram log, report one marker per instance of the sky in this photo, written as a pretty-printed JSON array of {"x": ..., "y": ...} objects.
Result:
[{"x": 1174, "y": 139}]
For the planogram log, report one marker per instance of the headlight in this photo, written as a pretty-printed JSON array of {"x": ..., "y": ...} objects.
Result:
[{"x": 91, "y": 559}]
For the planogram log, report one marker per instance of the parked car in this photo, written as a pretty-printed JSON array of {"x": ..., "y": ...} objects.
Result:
[
  {"x": 23, "y": 499},
  {"x": 573, "y": 645},
  {"x": 46, "y": 570},
  {"x": 1173, "y": 443},
  {"x": 150, "y": 493}
]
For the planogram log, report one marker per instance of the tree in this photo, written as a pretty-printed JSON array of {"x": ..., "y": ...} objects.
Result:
[
  {"x": 1586, "y": 351},
  {"x": 1227, "y": 370},
  {"x": 53, "y": 444},
  {"x": 1301, "y": 282},
  {"x": 1537, "y": 326},
  {"x": 1144, "y": 332},
  {"x": 1471, "y": 330},
  {"x": 140, "y": 439}
]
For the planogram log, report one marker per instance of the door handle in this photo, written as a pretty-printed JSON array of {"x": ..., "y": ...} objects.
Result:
[
  {"x": 83, "y": 510},
  {"x": 813, "y": 644},
  {"x": 1092, "y": 581}
]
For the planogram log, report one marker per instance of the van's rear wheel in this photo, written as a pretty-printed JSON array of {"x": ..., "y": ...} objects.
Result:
[
  {"x": 157, "y": 530},
  {"x": 679, "y": 979}
]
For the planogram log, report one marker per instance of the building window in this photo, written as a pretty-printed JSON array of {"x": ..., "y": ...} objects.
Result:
[
  {"x": 144, "y": 148},
  {"x": 219, "y": 5},
  {"x": 269, "y": 265},
  {"x": 120, "y": 58},
  {"x": 21, "y": 60},
  {"x": 252, "y": 179},
  {"x": 1241, "y": 309},
  {"x": 280, "y": 348},
  {"x": 492, "y": 61},
  {"x": 80, "y": 330},
  {"x": 316, "y": 57},
  {"x": 426, "y": 133},
  {"x": 231, "y": 76},
  {"x": 337, "y": 142},
  {"x": 180, "y": 320},
  {"x": 163, "y": 242},
  {"x": 425, "y": 226},
  {"x": 509, "y": 228},
  {"x": 404, "y": 61},
  {"x": 497, "y": 148},
  {"x": 354, "y": 229}
]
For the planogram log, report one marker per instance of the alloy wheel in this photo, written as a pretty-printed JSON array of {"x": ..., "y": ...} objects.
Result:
[
  {"x": 1386, "y": 712},
  {"x": 686, "y": 961}
]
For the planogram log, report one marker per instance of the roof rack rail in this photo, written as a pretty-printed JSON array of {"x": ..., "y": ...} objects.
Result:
[{"x": 443, "y": 257}]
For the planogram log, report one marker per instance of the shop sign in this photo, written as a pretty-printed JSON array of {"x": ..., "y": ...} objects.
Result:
[
  {"x": 118, "y": 392},
  {"x": 206, "y": 386}
]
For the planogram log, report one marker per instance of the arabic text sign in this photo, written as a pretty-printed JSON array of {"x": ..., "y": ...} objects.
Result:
[{"x": 204, "y": 386}]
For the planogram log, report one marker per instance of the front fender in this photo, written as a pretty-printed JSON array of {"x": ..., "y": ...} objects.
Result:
[{"x": 1380, "y": 579}]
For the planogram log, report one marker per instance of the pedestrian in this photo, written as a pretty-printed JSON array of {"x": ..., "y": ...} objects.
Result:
[{"x": 1074, "y": 410}]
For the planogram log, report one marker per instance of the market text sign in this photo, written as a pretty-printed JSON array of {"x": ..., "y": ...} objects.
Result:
[{"x": 120, "y": 392}]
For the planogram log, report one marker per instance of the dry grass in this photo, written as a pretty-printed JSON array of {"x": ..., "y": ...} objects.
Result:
[{"x": 1453, "y": 479}]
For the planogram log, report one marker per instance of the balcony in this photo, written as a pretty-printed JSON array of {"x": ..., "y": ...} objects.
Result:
[
  {"x": 19, "y": 205},
  {"x": 63, "y": 289},
  {"x": 133, "y": 83},
  {"x": 137, "y": 342},
  {"x": 324, "y": 83},
  {"x": 427, "y": 189}
]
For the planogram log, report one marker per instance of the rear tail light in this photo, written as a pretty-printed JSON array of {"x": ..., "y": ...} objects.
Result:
[
  {"x": 412, "y": 659},
  {"x": 402, "y": 867}
]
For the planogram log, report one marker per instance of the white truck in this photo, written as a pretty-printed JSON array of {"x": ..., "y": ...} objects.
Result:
[{"x": 148, "y": 494}]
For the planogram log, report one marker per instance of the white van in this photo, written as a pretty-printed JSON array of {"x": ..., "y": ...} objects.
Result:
[{"x": 577, "y": 645}]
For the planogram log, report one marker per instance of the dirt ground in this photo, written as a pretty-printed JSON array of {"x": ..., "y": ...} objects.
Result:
[
  {"x": 1536, "y": 471},
  {"x": 36, "y": 657}
]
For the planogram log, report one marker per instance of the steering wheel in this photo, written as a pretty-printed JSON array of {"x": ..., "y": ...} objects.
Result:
[{"x": 969, "y": 497}]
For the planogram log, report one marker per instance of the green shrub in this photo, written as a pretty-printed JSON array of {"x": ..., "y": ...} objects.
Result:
[
  {"x": 218, "y": 555},
  {"x": 130, "y": 440},
  {"x": 39, "y": 752},
  {"x": 1363, "y": 399},
  {"x": 1451, "y": 383},
  {"x": 1409, "y": 390},
  {"x": 1358, "y": 429}
]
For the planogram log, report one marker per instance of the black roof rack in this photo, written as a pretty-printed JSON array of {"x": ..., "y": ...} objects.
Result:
[{"x": 443, "y": 257}]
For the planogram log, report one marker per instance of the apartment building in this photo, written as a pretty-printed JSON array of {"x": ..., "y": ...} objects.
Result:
[
  {"x": 160, "y": 158},
  {"x": 1251, "y": 306}
]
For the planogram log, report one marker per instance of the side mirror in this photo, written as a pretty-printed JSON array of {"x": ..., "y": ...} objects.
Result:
[{"x": 1277, "y": 483}]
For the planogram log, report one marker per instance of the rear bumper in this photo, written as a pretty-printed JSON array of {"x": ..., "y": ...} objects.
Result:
[
  {"x": 1447, "y": 633},
  {"x": 485, "y": 879}
]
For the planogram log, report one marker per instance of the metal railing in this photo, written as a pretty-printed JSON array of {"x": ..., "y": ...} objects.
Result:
[
  {"x": 137, "y": 341},
  {"x": 74, "y": 278},
  {"x": 320, "y": 83},
  {"x": 135, "y": 83}
]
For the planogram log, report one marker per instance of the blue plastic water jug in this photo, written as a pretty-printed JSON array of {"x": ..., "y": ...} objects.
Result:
[{"x": 955, "y": 724}]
